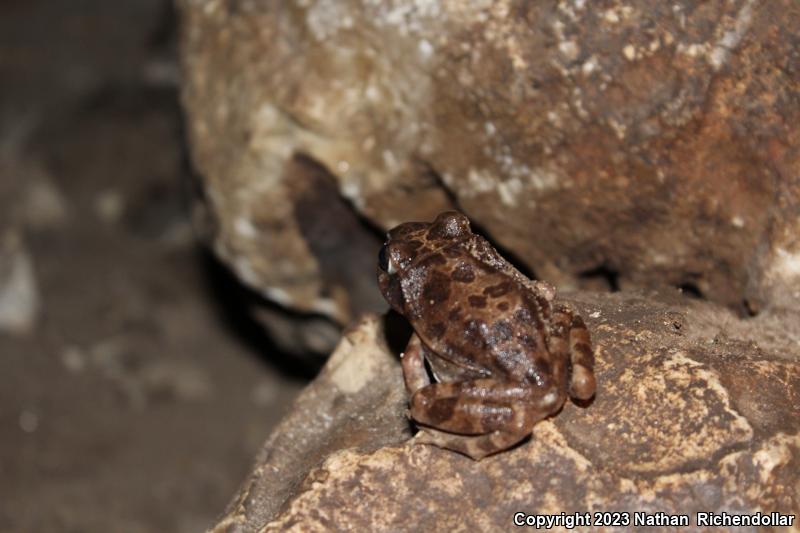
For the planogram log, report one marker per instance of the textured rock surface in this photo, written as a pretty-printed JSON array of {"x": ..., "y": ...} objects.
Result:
[
  {"x": 696, "y": 410},
  {"x": 356, "y": 402},
  {"x": 656, "y": 141}
]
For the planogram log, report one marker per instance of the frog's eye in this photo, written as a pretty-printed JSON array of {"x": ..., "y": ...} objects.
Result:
[{"x": 383, "y": 260}]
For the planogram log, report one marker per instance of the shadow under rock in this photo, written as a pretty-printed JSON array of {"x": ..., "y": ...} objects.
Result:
[{"x": 234, "y": 303}]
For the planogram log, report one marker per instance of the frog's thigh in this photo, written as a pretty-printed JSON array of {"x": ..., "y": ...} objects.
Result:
[
  {"x": 413, "y": 362},
  {"x": 569, "y": 339},
  {"x": 477, "y": 447},
  {"x": 582, "y": 383},
  {"x": 482, "y": 405}
]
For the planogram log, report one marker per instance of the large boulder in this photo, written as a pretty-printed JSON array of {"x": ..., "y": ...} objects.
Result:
[
  {"x": 697, "y": 410},
  {"x": 645, "y": 142}
]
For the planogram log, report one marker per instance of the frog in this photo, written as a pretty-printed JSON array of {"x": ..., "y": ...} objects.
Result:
[{"x": 492, "y": 352}]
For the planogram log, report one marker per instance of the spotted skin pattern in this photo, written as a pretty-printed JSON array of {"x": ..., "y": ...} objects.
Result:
[{"x": 502, "y": 353}]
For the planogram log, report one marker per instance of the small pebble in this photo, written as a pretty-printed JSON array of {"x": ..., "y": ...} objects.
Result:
[
  {"x": 19, "y": 296},
  {"x": 28, "y": 421}
]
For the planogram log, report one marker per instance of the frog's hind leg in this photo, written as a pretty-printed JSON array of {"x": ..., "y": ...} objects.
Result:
[
  {"x": 474, "y": 446},
  {"x": 479, "y": 406},
  {"x": 413, "y": 362},
  {"x": 482, "y": 416},
  {"x": 582, "y": 383}
]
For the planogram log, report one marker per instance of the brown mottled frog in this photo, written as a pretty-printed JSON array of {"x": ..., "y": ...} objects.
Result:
[{"x": 503, "y": 354}]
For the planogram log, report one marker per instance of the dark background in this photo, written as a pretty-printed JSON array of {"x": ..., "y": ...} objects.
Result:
[{"x": 138, "y": 396}]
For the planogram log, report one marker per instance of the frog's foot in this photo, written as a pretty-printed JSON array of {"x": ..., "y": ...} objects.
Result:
[
  {"x": 474, "y": 446},
  {"x": 570, "y": 337}
]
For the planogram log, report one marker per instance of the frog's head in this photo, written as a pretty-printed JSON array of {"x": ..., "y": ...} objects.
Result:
[{"x": 408, "y": 244}]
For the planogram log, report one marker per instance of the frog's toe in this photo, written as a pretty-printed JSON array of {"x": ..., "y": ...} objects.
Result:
[{"x": 582, "y": 384}]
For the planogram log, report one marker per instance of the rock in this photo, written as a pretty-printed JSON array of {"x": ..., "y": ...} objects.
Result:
[
  {"x": 298, "y": 335},
  {"x": 30, "y": 198},
  {"x": 19, "y": 295},
  {"x": 696, "y": 410},
  {"x": 143, "y": 373},
  {"x": 356, "y": 401},
  {"x": 43, "y": 207},
  {"x": 655, "y": 144},
  {"x": 109, "y": 205}
]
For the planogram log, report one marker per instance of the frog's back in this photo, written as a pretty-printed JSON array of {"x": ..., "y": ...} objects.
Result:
[{"x": 477, "y": 317}]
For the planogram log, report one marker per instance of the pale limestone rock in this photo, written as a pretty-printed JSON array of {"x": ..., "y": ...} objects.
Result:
[
  {"x": 654, "y": 141},
  {"x": 696, "y": 410}
]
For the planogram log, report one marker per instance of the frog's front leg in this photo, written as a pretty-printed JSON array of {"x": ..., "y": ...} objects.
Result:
[
  {"x": 413, "y": 362},
  {"x": 482, "y": 416}
]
